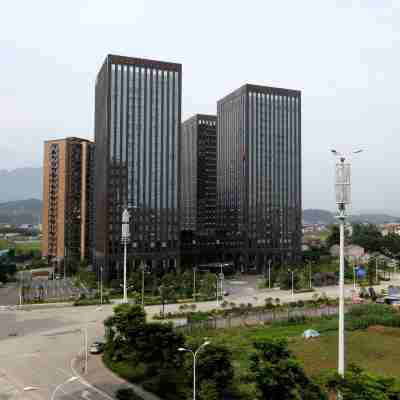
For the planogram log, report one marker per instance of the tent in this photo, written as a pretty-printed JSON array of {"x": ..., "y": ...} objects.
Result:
[{"x": 310, "y": 333}]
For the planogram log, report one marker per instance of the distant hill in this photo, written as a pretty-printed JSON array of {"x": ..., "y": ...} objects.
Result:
[
  {"x": 21, "y": 212},
  {"x": 315, "y": 216},
  {"x": 21, "y": 183},
  {"x": 375, "y": 219}
]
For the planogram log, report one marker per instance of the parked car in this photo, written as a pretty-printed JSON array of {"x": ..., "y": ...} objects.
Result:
[{"x": 96, "y": 347}]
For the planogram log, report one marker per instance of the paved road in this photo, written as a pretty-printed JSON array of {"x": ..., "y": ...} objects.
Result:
[
  {"x": 41, "y": 355},
  {"x": 9, "y": 294}
]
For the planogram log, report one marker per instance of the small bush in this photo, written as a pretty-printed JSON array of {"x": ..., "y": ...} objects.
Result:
[
  {"x": 90, "y": 302},
  {"x": 127, "y": 394}
]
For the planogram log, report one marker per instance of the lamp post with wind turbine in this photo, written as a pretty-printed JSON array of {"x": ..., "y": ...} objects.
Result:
[{"x": 343, "y": 191}]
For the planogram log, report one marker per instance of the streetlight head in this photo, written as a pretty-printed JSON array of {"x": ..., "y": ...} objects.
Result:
[
  {"x": 29, "y": 388},
  {"x": 206, "y": 343},
  {"x": 358, "y": 151},
  {"x": 73, "y": 378},
  {"x": 334, "y": 152},
  {"x": 182, "y": 349}
]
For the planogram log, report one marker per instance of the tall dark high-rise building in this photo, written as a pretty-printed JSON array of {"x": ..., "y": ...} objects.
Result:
[
  {"x": 68, "y": 201},
  {"x": 199, "y": 181},
  {"x": 199, "y": 174},
  {"x": 259, "y": 175},
  {"x": 137, "y": 133}
]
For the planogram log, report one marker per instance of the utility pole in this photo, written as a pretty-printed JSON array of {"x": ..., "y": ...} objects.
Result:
[
  {"x": 194, "y": 284},
  {"x": 101, "y": 284},
  {"x": 65, "y": 262},
  {"x": 291, "y": 271},
  {"x": 269, "y": 273},
  {"x": 376, "y": 270},
  {"x": 143, "y": 266},
  {"x": 125, "y": 239},
  {"x": 342, "y": 186}
]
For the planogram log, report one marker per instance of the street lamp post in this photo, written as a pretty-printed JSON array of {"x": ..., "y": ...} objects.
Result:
[
  {"x": 101, "y": 284},
  {"x": 269, "y": 273},
  {"x": 310, "y": 276},
  {"x": 85, "y": 344},
  {"x": 143, "y": 267},
  {"x": 125, "y": 239},
  {"x": 376, "y": 270},
  {"x": 194, "y": 354},
  {"x": 194, "y": 284},
  {"x": 291, "y": 271},
  {"x": 342, "y": 186},
  {"x": 65, "y": 262}
]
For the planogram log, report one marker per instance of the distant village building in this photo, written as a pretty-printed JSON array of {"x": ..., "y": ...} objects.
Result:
[
  {"x": 393, "y": 228},
  {"x": 312, "y": 242},
  {"x": 352, "y": 251}
]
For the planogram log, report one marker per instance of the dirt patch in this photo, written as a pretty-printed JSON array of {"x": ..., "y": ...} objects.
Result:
[{"x": 377, "y": 328}]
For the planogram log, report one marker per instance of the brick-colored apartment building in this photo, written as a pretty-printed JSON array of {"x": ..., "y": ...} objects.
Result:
[{"x": 68, "y": 200}]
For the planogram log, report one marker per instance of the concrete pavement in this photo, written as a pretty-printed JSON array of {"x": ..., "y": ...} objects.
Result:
[{"x": 102, "y": 378}]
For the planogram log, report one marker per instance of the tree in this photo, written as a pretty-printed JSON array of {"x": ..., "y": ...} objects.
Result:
[
  {"x": 334, "y": 236},
  {"x": 166, "y": 293},
  {"x": 359, "y": 385},
  {"x": 125, "y": 316},
  {"x": 278, "y": 375},
  {"x": 367, "y": 236},
  {"x": 371, "y": 271},
  {"x": 285, "y": 280},
  {"x": 208, "y": 284},
  {"x": 149, "y": 349},
  {"x": 7, "y": 271},
  {"x": 208, "y": 391},
  {"x": 214, "y": 368}
]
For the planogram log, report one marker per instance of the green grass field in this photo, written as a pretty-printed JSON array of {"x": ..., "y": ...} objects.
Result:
[
  {"x": 375, "y": 349},
  {"x": 21, "y": 248},
  {"x": 29, "y": 246}
]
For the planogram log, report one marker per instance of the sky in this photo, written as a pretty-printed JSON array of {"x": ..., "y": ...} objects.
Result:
[{"x": 342, "y": 55}]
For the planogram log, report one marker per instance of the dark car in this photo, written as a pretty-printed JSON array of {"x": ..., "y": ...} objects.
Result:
[{"x": 96, "y": 347}]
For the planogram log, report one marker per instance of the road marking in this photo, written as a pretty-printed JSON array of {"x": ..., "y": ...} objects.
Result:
[
  {"x": 85, "y": 395},
  {"x": 83, "y": 381}
]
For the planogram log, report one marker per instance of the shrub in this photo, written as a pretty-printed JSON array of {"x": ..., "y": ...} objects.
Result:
[
  {"x": 325, "y": 279},
  {"x": 90, "y": 302},
  {"x": 363, "y": 316},
  {"x": 127, "y": 394}
]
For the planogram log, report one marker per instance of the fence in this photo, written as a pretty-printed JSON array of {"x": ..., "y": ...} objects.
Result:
[{"x": 249, "y": 318}]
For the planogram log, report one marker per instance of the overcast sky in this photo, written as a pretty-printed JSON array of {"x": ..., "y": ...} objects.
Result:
[{"x": 342, "y": 55}]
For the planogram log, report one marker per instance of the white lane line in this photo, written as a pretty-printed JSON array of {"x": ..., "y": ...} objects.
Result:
[{"x": 82, "y": 380}]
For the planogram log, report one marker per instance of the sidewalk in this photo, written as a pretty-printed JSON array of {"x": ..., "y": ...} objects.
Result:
[{"x": 105, "y": 380}]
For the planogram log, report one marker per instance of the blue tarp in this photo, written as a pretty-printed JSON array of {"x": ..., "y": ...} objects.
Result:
[{"x": 4, "y": 252}]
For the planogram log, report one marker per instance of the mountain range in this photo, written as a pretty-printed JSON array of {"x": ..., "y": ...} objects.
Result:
[
  {"x": 27, "y": 183},
  {"x": 21, "y": 183},
  {"x": 317, "y": 216},
  {"x": 21, "y": 212}
]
